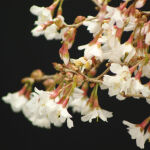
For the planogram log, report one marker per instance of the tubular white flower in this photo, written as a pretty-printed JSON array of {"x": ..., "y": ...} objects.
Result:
[
  {"x": 117, "y": 18},
  {"x": 112, "y": 48},
  {"x": 135, "y": 87},
  {"x": 51, "y": 32},
  {"x": 96, "y": 113},
  {"x": 42, "y": 13},
  {"x": 136, "y": 133},
  {"x": 37, "y": 31},
  {"x": 129, "y": 50},
  {"x": 118, "y": 83},
  {"x": 38, "y": 109},
  {"x": 91, "y": 51},
  {"x": 131, "y": 24},
  {"x": 78, "y": 101},
  {"x": 93, "y": 26},
  {"x": 16, "y": 101},
  {"x": 140, "y": 3},
  {"x": 60, "y": 115}
]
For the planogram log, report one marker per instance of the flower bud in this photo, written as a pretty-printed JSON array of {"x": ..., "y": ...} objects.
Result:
[
  {"x": 69, "y": 75},
  {"x": 58, "y": 78},
  {"x": 37, "y": 74},
  {"x": 79, "y": 19},
  {"x": 57, "y": 66},
  {"x": 27, "y": 80},
  {"x": 79, "y": 79},
  {"x": 48, "y": 82}
]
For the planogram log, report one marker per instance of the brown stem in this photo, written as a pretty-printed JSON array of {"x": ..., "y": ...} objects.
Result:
[
  {"x": 105, "y": 72},
  {"x": 147, "y": 13},
  {"x": 45, "y": 77},
  {"x": 95, "y": 80},
  {"x": 135, "y": 95},
  {"x": 79, "y": 24}
]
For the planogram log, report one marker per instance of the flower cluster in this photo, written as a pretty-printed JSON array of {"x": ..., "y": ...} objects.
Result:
[{"x": 126, "y": 64}]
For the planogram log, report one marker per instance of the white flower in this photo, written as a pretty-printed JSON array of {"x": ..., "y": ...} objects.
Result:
[
  {"x": 128, "y": 50},
  {"x": 113, "y": 53},
  {"x": 110, "y": 10},
  {"x": 16, "y": 101},
  {"x": 52, "y": 33},
  {"x": 42, "y": 13},
  {"x": 82, "y": 63},
  {"x": 148, "y": 100},
  {"x": 60, "y": 115},
  {"x": 112, "y": 49},
  {"x": 145, "y": 91},
  {"x": 78, "y": 101},
  {"x": 91, "y": 51},
  {"x": 135, "y": 87},
  {"x": 118, "y": 83},
  {"x": 140, "y": 3},
  {"x": 117, "y": 18},
  {"x": 147, "y": 39},
  {"x": 37, "y": 31},
  {"x": 131, "y": 23},
  {"x": 136, "y": 133},
  {"x": 38, "y": 109},
  {"x": 93, "y": 26},
  {"x": 97, "y": 113}
]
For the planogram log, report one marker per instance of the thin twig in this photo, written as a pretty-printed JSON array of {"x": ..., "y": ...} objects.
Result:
[
  {"x": 136, "y": 95},
  {"x": 79, "y": 24},
  {"x": 105, "y": 72},
  {"x": 45, "y": 77}
]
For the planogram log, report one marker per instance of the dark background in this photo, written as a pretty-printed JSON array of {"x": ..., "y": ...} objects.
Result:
[{"x": 20, "y": 53}]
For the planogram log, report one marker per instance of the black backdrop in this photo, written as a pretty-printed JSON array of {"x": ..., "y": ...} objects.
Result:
[{"x": 21, "y": 53}]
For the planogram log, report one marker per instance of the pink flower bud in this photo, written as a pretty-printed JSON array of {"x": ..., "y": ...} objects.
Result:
[{"x": 63, "y": 52}]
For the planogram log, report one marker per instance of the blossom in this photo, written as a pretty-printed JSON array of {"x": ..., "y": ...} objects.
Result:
[
  {"x": 148, "y": 100},
  {"x": 96, "y": 113},
  {"x": 132, "y": 22},
  {"x": 135, "y": 87},
  {"x": 112, "y": 48},
  {"x": 43, "y": 14},
  {"x": 37, "y": 31},
  {"x": 128, "y": 50},
  {"x": 92, "y": 51},
  {"x": 140, "y": 3},
  {"x": 93, "y": 26},
  {"x": 118, "y": 83},
  {"x": 117, "y": 18},
  {"x": 16, "y": 100},
  {"x": 82, "y": 63},
  {"x": 78, "y": 101},
  {"x": 38, "y": 109},
  {"x": 137, "y": 133},
  {"x": 52, "y": 33},
  {"x": 60, "y": 115}
]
